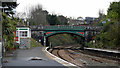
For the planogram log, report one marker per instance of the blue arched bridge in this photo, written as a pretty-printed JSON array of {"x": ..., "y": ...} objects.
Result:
[{"x": 78, "y": 30}]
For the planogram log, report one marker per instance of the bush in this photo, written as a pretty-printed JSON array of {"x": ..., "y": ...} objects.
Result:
[{"x": 35, "y": 43}]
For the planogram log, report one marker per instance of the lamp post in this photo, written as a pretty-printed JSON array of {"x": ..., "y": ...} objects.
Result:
[
  {"x": 0, "y": 35},
  {"x": 2, "y": 12}
]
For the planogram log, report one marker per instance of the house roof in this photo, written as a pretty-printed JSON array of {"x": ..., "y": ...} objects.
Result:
[
  {"x": 22, "y": 26},
  {"x": 8, "y": 0}
]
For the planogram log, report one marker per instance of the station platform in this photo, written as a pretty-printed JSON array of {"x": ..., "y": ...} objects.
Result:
[
  {"x": 104, "y": 50},
  {"x": 22, "y": 59}
]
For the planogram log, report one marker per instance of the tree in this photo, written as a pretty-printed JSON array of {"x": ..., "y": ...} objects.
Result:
[
  {"x": 101, "y": 18},
  {"x": 110, "y": 35},
  {"x": 114, "y": 11},
  {"x": 38, "y": 16},
  {"x": 53, "y": 20},
  {"x": 63, "y": 20},
  {"x": 9, "y": 27},
  {"x": 114, "y": 31},
  {"x": 101, "y": 15}
]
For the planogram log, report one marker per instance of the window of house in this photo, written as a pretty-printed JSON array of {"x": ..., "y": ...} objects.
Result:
[{"x": 23, "y": 33}]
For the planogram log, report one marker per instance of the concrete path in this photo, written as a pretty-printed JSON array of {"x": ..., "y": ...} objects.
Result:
[{"x": 22, "y": 58}]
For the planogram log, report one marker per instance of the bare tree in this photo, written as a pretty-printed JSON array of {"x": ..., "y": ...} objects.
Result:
[
  {"x": 101, "y": 14},
  {"x": 38, "y": 16}
]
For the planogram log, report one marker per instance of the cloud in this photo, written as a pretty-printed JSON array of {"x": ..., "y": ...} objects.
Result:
[{"x": 74, "y": 8}]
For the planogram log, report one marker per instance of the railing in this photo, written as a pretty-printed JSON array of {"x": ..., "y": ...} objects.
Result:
[{"x": 64, "y": 27}]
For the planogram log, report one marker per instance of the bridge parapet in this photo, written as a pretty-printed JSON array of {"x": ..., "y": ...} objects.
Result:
[{"x": 64, "y": 27}]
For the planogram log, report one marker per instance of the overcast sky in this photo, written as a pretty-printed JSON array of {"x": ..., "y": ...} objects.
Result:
[{"x": 69, "y": 8}]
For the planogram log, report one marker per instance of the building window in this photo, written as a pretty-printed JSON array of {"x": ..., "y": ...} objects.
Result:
[{"x": 23, "y": 33}]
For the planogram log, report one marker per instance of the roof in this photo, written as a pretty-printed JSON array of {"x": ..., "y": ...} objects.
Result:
[
  {"x": 22, "y": 26},
  {"x": 10, "y": 4},
  {"x": 8, "y": 0}
]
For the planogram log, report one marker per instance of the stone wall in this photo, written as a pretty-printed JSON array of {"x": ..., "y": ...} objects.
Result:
[{"x": 25, "y": 43}]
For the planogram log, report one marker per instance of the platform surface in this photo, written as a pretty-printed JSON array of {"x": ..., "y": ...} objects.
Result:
[
  {"x": 106, "y": 50},
  {"x": 23, "y": 58}
]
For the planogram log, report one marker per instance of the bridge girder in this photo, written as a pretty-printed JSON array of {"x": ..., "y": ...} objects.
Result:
[{"x": 51, "y": 33}]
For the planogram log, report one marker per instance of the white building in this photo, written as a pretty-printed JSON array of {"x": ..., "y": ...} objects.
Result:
[{"x": 23, "y": 36}]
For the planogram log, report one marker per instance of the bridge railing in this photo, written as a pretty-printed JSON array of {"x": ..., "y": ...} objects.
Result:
[{"x": 64, "y": 27}]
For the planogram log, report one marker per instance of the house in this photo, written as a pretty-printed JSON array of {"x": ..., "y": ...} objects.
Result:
[
  {"x": 78, "y": 21},
  {"x": 90, "y": 20}
]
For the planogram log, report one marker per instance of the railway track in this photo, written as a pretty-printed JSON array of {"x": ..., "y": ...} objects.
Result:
[
  {"x": 63, "y": 54},
  {"x": 100, "y": 54},
  {"x": 81, "y": 58}
]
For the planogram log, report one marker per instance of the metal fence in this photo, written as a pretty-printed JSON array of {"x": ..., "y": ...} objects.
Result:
[{"x": 64, "y": 27}]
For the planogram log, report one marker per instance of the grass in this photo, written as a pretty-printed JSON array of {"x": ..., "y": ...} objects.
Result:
[{"x": 35, "y": 43}]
